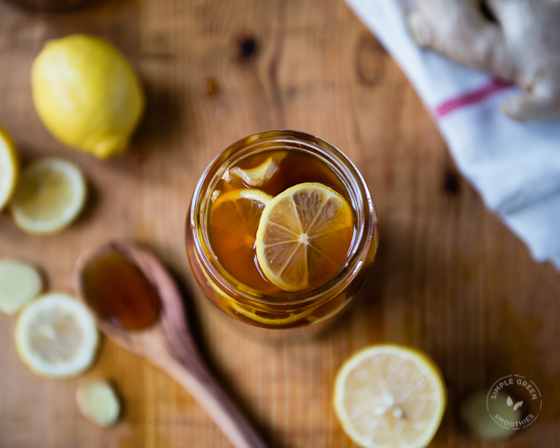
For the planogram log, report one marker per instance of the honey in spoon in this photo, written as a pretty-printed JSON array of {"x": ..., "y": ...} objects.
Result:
[{"x": 119, "y": 292}]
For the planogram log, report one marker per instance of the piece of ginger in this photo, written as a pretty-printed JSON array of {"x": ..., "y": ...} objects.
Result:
[
  {"x": 98, "y": 402},
  {"x": 261, "y": 174},
  {"x": 19, "y": 284},
  {"x": 474, "y": 411},
  {"x": 521, "y": 45}
]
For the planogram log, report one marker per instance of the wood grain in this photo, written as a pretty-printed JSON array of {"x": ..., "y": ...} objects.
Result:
[{"x": 449, "y": 277}]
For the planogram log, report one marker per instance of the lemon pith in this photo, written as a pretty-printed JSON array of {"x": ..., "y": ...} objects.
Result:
[
  {"x": 9, "y": 168},
  {"x": 50, "y": 195},
  {"x": 87, "y": 94},
  {"x": 304, "y": 236},
  {"x": 56, "y": 337},
  {"x": 388, "y": 396}
]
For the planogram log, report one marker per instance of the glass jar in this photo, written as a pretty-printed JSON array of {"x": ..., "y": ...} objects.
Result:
[{"x": 286, "y": 312}]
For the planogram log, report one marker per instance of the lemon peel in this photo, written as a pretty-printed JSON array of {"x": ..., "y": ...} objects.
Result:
[{"x": 9, "y": 168}]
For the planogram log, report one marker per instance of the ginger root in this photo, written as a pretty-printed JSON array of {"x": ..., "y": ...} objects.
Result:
[{"x": 520, "y": 43}]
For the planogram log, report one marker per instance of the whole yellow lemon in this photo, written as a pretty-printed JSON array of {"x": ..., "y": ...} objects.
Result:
[{"x": 87, "y": 94}]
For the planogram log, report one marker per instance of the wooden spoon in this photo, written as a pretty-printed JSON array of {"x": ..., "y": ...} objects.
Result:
[{"x": 168, "y": 343}]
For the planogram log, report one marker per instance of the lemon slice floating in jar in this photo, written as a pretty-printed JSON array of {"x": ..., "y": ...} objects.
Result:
[
  {"x": 232, "y": 225},
  {"x": 304, "y": 236},
  {"x": 9, "y": 168},
  {"x": 50, "y": 195},
  {"x": 56, "y": 336},
  {"x": 390, "y": 396}
]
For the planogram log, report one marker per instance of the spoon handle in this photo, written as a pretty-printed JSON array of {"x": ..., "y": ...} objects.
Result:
[{"x": 190, "y": 371}]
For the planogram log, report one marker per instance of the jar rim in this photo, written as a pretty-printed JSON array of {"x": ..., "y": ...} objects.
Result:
[{"x": 362, "y": 204}]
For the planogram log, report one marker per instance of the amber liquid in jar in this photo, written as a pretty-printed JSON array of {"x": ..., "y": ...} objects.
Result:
[
  {"x": 294, "y": 168},
  {"x": 226, "y": 265}
]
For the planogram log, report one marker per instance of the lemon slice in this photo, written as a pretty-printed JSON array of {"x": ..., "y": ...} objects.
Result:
[
  {"x": 50, "y": 195},
  {"x": 232, "y": 226},
  {"x": 19, "y": 284},
  {"x": 9, "y": 168},
  {"x": 261, "y": 174},
  {"x": 390, "y": 396},
  {"x": 56, "y": 336},
  {"x": 304, "y": 236},
  {"x": 98, "y": 402}
]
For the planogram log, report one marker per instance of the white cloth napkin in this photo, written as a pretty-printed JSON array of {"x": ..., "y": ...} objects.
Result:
[{"x": 514, "y": 166}]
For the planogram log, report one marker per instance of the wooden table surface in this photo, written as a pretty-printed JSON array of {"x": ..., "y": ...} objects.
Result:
[{"x": 449, "y": 277}]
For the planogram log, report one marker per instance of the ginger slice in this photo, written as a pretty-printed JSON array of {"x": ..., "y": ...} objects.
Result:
[
  {"x": 475, "y": 414},
  {"x": 19, "y": 284},
  {"x": 99, "y": 403},
  {"x": 261, "y": 174}
]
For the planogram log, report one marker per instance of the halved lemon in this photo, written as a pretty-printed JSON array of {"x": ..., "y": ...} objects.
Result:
[
  {"x": 304, "y": 236},
  {"x": 9, "y": 168},
  {"x": 390, "y": 396},
  {"x": 260, "y": 175},
  {"x": 56, "y": 336},
  {"x": 50, "y": 195},
  {"x": 233, "y": 222}
]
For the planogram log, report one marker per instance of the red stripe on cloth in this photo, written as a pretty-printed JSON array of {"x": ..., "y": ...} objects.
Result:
[{"x": 475, "y": 96}]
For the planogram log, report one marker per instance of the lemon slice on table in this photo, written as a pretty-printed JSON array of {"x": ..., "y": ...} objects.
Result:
[
  {"x": 390, "y": 396},
  {"x": 261, "y": 174},
  {"x": 304, "y": 236},
  {"x": 50, "y": 195},
  {"x": 56, "y": 336},
  {"x": 19, "y": 284},
  {"x": 9, "y": 168}
]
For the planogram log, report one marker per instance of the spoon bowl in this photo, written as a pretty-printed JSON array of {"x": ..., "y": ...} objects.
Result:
[{"x": 168, "y": 342}]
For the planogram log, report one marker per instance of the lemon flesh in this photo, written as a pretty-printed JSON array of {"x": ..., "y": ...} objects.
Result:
[
  {"x": 19, "y": 284},
  {"x": 56, "y": 336},
  {"x": 87, "y": 94},
  {"x": 9, "y": 168},
  {"x": 304, "y": 236},
  {"x": 98, "y": 402},
  {"x": 50, "y": 195},
  {"x": 390, "y": 396}
]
